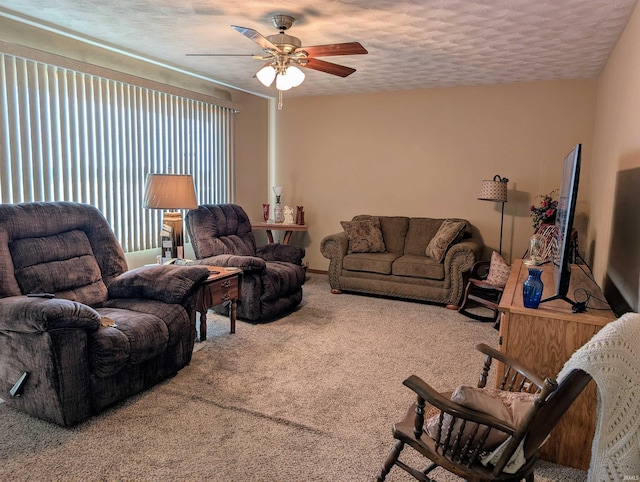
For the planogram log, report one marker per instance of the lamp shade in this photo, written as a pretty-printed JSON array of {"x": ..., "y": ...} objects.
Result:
[
  {"x": 283, "y": 81},
  {"x": 169, "y": 191},
  {"x": 494, "y": 190},
  {"x": 266, "y": 75},
  {"x": 296, "y": 76}
]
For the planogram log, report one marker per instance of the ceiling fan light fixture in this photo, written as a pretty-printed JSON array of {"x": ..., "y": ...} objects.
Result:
[
  {"x": 295, "y": 75},
  {"x": 283, "y": 82},
  {"x": 266, "y": 75}
]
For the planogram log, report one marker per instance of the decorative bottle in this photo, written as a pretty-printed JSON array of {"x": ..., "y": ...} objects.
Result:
[
  {"x": 277, "y": 210},
  {"x": 532, "y": 288}
]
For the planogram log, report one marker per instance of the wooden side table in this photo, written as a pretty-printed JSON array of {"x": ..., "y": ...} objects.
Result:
[
  {"x": 222, "y": 285},
  {"x": 287, "y": 228}
]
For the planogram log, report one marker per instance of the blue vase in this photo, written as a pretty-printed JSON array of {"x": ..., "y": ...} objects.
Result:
[{"x": 532, "y": 289}]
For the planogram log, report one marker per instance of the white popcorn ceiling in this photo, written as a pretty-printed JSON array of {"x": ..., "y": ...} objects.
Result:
[{"x": 412, "y": 44}]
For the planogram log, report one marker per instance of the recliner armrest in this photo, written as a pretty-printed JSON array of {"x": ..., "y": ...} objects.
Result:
[
  {"x": 245, "y": 263},
  {"x": 30, "y": 315},
  {"x": 281, "y": 252},
  {"x": 167, "y": 283}
]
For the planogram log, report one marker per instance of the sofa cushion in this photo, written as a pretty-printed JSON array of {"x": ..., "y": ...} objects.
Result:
[
  {"x": 370, "y": 262},
  {"x": 499, "y": 271},
  {"x": 418, "y": 267},
  {"x": 450, "y": 232},
  {"x": 394, "y": 231},
  {"x": 365, "y": 236},
  {"x": 62, "y": 263},
  {"x": 420, "y": 232}
]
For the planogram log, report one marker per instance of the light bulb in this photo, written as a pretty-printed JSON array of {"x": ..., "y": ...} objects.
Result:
[
  {"x": 283, "y": 82},
  {"x": 266, "y": 75},
  {"x": 295, "y": 75}
]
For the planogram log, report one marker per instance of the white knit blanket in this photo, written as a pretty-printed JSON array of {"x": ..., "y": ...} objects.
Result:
[{"x": 612, "y": 358}]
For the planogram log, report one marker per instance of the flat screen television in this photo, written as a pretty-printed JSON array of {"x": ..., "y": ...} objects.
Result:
[{"x": 565, "y": 215}]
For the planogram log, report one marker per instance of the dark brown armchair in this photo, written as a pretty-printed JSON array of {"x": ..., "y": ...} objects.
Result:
[
  {"x": 272, "y": 275},
  {"x": 97, "y": 333},
  {"x": 477, "y": 444}
]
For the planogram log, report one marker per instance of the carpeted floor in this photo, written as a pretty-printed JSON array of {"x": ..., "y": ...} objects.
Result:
[{"x": 309, "y": 397}]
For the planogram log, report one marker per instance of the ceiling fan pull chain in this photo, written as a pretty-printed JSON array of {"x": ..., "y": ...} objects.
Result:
[{"x": 279, "y": 100}]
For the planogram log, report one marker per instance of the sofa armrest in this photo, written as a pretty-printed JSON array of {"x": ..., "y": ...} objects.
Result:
[
  {"x": 245, "y": 263},
  {"x": 281, "y": 252},
  {"x": 22, "y": 314},
  {"x": 334, "y": 247},
  {"x": 167, "y": 283},
  {"x": 459, "y": 259}
]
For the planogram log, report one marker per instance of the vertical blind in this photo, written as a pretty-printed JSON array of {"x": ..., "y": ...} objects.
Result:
[{"x": 72, "y": 136}]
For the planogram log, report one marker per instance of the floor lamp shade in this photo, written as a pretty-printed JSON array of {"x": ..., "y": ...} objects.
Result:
[
  {"x": 171, "y": 192},
  {"x": 495, "y": 190}
]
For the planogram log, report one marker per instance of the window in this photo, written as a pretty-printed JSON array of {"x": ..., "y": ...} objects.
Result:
[{"x": 67, "y": 135}]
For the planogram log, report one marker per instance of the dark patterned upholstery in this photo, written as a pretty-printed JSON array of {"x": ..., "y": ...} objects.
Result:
[
  {"x": 77, "y": 365},
  {"x": 272, "y": 275}
]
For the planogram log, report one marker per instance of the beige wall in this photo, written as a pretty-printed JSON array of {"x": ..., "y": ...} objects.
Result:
[
  {"x": 616, "y": 138},
  {"x": 425, "y": 153}
]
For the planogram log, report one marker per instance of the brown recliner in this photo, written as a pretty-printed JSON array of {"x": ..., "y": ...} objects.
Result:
[
  {"x": 272, "y": 275},
  {"x": 61, "y": 358}
]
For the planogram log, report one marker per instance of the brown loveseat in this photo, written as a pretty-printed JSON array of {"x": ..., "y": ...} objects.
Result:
[
  {"x": 397, "y": 265},
  {"x": 102, "y": 333}
]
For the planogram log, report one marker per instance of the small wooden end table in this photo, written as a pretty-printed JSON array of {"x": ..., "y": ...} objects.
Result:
[
  {"x": 222, "y": 285},
  {"x": 287, "y": 228}
]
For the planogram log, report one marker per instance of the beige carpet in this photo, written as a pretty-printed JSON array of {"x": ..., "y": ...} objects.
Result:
[{"x": 310, "y": 397}]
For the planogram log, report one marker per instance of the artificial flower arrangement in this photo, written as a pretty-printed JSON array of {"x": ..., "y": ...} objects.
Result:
[{"x": 545, "y": 209}]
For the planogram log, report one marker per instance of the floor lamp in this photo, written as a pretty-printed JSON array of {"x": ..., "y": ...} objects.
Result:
[
  {"x": 170, "y": 191},
  {"x": 495, "y": 190}
]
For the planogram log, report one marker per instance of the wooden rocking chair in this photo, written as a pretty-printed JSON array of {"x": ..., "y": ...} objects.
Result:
[{"x": 461, "y": 444}]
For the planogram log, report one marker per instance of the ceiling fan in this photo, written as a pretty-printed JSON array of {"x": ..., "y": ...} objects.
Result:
[{"x": 284, "y": 54}]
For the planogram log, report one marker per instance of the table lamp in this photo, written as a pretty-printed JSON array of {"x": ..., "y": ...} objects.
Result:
[
  {"x": 495, "y": 190},
  {"x": 172, "y": 192}
]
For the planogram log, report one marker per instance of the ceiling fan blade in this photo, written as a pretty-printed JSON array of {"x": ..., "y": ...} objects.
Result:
[
  {"x": 225, "y": 55},
  {"x": 347, "y": 48},
  {"x": 328, "y": 67},
  {"x": 252, "y": 34}
]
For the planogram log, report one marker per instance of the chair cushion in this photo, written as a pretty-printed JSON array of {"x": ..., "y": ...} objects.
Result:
[
  {"x": 137, "y": 337},
  {"x": 450, "y": 231},
  {"x": 280, "y": 279},
  {"x": 62, "y": 263},
  {"x": 509, "y": 407},
  {"x": 499, "y": 271},
  {"x": 365, "y": 236}
]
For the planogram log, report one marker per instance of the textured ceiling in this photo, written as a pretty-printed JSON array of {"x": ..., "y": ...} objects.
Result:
[{"x": 412, "y": 44}]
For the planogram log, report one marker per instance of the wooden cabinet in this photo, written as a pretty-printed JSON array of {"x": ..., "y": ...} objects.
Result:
[{"x": 544, "y": 339}]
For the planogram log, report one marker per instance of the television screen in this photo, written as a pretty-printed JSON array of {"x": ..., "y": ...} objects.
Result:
[{"x": 565, "y": 215}]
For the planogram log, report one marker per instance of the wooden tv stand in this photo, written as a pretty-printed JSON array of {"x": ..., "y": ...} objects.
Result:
[{"x": 544, "y": 339}]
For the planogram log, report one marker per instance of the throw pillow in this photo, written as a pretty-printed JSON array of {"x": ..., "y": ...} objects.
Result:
[
  {"x": 365, "y": 236},
  {"x": 449, "y": 233},
  {"x": 498, "y": 271},
  {"x": 510, "y": 407}
]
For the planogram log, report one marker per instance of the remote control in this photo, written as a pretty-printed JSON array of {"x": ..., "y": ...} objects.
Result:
[{"x": 41, "y": 295}]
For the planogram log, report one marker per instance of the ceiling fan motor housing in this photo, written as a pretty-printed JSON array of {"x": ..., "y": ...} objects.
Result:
[{"x": 286, "y": 43}]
